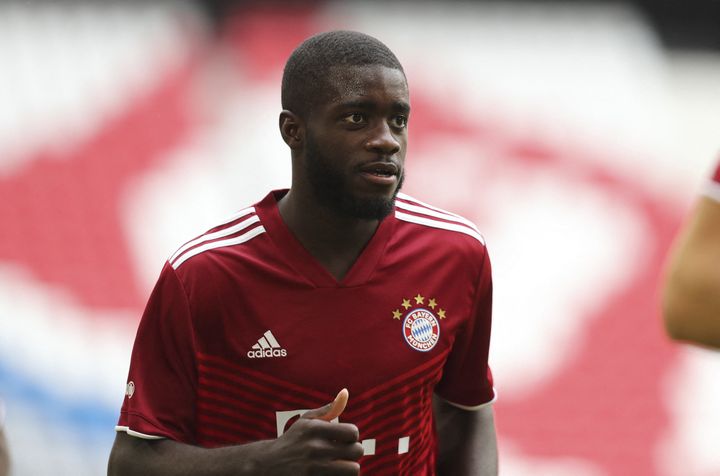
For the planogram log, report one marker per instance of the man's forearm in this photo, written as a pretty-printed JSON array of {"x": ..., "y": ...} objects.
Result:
[
  {"x": 467, "y": 445},
  {"x": 135, "y": 456},
  {"x": 691, "y": 311},
  {"x": 691, "y": 290},
  {"x": 314, "y": 444}
]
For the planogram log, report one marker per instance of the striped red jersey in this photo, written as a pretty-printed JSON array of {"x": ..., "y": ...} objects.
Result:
[{"x": 245, "y": 330}]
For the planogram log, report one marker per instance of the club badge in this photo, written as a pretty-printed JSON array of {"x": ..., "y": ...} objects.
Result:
[{"x": 420, "y": 324}]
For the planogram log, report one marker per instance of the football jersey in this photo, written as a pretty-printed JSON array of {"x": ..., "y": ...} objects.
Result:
[
  {"x": 245, "y": 331},
  {"x": 712, "y": 189}
]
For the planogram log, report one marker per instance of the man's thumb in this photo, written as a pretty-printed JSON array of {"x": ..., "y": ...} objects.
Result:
[{"x": 332, "y": 410}]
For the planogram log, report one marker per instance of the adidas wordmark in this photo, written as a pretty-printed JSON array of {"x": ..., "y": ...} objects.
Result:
[{"x": 267, "y": 346}]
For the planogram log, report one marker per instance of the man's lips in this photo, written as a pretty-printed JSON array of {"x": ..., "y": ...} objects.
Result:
[
  {"x": 380, "y": 169},
  {"x": 378, "y": 173}
]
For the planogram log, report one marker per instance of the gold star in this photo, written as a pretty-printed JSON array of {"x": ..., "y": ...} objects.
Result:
[
  {"x": 432, "y": 303},
  {"x": 406, "y": 304},
  {"x": 419, "y": 299},
  {"x": 441, "y": 313},
  {"x": 397, "y": 314}
]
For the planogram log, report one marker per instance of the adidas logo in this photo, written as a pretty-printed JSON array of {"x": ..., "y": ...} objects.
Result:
[{"x": 267, "y": 346}]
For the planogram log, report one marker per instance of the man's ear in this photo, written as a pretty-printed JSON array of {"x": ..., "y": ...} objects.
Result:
[{"x": 292, "y": 129}]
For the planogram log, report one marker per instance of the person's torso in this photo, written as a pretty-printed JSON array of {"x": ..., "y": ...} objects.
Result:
[{"x": 275, "y": 336}]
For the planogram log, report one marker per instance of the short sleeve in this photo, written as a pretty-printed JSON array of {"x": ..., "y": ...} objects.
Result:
[
  {"x": 467, "y": 380},
  {"x": 160, "y": 393},
  {"x": 712, "y": 188}
]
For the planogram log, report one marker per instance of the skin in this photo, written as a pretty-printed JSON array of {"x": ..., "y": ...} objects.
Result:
[
  {"x": 364, "y": 121},
  {"x": 691, "y": 288},
  {"x": 312, "y": 446},
  {"x": 466, "y": 440},
  {"x": 4, "y": 455},
  {"x": 361, "y": 122}
]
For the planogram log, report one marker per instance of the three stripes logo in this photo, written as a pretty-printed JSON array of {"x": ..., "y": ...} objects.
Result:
[{"x": 267, "y": 347}]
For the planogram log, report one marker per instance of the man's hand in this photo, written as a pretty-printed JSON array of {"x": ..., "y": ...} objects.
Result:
[{"x": 315, "y": 446}]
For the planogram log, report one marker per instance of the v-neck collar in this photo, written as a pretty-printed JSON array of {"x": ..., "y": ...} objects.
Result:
[{"x": 300, "y": 259}]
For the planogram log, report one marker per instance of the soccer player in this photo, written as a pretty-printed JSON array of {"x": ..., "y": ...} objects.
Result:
[
  {"x": 339, "y": 296},
  {"x": 691, "y": 293}
]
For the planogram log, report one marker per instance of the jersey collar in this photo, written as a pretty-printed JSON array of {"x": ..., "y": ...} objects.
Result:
[{"x": 300, "y": 259}]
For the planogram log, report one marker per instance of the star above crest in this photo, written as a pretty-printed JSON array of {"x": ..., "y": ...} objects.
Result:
[{"x": 419, "y": 300}]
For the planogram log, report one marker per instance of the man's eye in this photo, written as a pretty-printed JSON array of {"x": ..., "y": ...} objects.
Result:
[
  {"x": 400, "y": 121},
  {"x": 355, "y": 118}
]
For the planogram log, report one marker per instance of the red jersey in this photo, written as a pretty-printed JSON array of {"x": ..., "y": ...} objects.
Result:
[{"x": 245, "y": 330}]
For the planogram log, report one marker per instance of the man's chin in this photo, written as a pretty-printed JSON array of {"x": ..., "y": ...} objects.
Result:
[
  {"x": 353, "y": 202},
  {"x": 372, "y": 206},
  {"x": 369, "y": 208}
]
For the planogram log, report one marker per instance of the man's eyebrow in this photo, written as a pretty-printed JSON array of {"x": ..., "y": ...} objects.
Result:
[
  {"x": 399, "y": 106},
  {"x": 357, "y": 104}
]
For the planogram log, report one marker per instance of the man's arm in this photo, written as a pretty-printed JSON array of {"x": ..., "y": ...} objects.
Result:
[
  {"x": 467, "y": 444},
  {"x": 131, "y": 455},
  {"x": 313, "y": 445},
  {"x": 691, "y": 290},
  {"x": 4, "y": 455}
]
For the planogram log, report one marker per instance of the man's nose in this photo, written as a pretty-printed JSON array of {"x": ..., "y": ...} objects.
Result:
[{"x": 382, "y": 140}]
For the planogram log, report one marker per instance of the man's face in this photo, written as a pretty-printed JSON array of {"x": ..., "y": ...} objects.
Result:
[{"x": 356, "y": 141}]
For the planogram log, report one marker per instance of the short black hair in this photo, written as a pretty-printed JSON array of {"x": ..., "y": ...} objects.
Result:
[{"x": 307, "y": 68}]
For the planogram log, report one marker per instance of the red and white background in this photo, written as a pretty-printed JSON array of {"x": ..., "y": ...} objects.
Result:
[{"x": 567, "y": 133}]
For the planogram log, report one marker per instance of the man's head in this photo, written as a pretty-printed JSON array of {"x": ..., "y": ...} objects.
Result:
[
  {"x": 346, "y": 104},
  {"x": 308, "y": 68}
]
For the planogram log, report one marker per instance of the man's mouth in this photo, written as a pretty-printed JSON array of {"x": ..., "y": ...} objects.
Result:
[{"x": 380, "y": 169}]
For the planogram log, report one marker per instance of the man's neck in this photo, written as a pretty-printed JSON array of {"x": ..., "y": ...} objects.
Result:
[{"x": 334, "y": 240}]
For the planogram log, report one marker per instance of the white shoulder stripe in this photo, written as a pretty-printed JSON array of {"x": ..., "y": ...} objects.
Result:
[
  {"x": 436, "y": 214},
  {"x": 220, "y": 233},
  {"x": 219, "y": 244},
  {"x": 476, "y": 407},
  {"x": 712, "y": 190},
  {"x": 137, "y": 434},
  {"x": 404, "y": 196},
  {"x": 439, "y": 224}
]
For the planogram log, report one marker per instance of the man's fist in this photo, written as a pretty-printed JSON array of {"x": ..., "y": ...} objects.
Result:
[{"x": 314, "y": 445}]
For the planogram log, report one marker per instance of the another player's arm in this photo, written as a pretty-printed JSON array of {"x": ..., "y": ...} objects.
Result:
[
  {"x": 4, "y": 455},
  {"x": 467, "y": 444},
  {"x": 691, "y": 290},
  {"x": 313, "y": 445}
]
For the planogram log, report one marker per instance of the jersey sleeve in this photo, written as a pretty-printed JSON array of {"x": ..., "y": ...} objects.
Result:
[
  {"x": 160, "y": 393},
  {"x": 467, "y": 380},
  {"x": 712, "y": 188}
]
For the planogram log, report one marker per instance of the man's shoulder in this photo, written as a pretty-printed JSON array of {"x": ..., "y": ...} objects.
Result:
[
  {"x": 240, "y": 228},
  {"x": 432, "y": 223}
]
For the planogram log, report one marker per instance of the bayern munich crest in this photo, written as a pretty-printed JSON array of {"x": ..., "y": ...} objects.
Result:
[
  {"x": 421, "y": 330},
  {"x": 421, "y": 325}
]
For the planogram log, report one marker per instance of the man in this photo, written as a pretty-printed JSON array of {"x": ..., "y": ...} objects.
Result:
[
  {"x": 691, "y": 292},
  {"x": 337, "y": 284}
]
